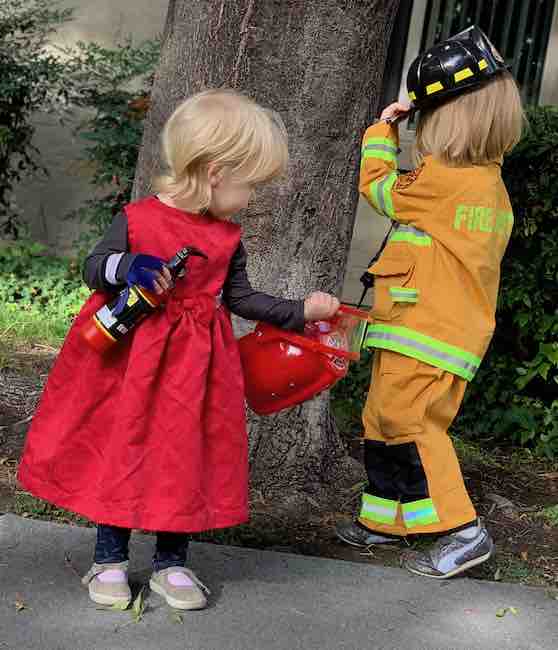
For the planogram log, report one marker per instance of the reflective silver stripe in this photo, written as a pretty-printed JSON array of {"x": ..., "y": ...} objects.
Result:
[
  {"x": 381, "y": 197},
  {"x": 381, "y": 147},
  {"x": 112, "y": 265},
  {"x": 426, "y": 349},
  {"x": 403, "y": 296},
  {"x": 413, "y": 231},
  {"x": 380, "y": 510}
]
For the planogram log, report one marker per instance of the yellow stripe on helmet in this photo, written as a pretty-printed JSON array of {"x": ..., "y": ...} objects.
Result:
[
  {"x": 434, "y": 88},
  {"x": 463, "y": 74}
]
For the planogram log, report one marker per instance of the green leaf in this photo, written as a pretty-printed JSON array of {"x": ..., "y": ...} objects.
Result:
[
  {"x": 121, "y": 607},
  {"x": 176, "y": 617},
  {"x": 138, "y": 606}
]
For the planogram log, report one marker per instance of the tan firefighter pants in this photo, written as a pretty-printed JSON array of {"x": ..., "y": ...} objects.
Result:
[{"x": 415, "y": 483}]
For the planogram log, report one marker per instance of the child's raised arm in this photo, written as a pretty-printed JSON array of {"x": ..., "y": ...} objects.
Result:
[{"x": 378, "y": 168}]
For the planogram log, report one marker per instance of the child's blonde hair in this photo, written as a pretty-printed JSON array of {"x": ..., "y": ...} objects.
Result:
[
  {"x": 228, "y": 129},
  {"x": 475, "y": 128}
]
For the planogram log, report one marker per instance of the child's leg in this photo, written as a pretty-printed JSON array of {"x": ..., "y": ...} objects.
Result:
[
  {"x": 179, "y": 586},
  {"x": 112, "y": 544},
  {"x": 415, "y": 483},
  {"x": 107, "y": 579},
  {"x": 171, "y": 550}
]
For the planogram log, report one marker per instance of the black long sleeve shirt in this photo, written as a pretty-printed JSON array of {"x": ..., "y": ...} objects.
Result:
[{"x": 238, "y": 294}]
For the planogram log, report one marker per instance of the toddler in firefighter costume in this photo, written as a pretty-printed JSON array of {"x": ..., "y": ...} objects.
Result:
[
  {"x": 152, "y": 434},
  {"x": 436, "y": 286}
]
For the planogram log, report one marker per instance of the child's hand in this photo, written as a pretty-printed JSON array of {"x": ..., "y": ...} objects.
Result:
[
  {"x": 162, "y": 280},
  {"x": 320, "y": 305},
  {"x": 395, "y": 111},
  {"x": 149, "y": 272}
]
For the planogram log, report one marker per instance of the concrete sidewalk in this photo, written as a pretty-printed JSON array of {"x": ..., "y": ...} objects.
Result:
[{"x": 260, "y": 600}]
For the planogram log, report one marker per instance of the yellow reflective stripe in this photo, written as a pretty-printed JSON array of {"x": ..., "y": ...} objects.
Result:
[
  {"x": 382, "y": 148},
  {"x": 411, "y": 235},
  {"x": 425, "y": 348},
  {"x": 403, "y": 294},
  {"x": 380, "y": 194},
  {"x": 374, "y": 141},
  {"x": 412, "y": 95},
  {"x": 383, "y": 511},
  {"x": 419, "y": 513},
  {"x": 434, "y": 88},
  {"x": 381, "y": 152},
  {"x": 463, "y": 74},
  {"x": 483, "y": 64}
]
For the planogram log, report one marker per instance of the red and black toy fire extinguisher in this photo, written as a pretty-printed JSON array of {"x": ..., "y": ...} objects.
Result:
[{"x": 134, "y": 303}]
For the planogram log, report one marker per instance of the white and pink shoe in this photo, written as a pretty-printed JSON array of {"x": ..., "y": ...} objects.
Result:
[
  {"x": 108, "y": 584},
  {"x": 179, "y": 587}
]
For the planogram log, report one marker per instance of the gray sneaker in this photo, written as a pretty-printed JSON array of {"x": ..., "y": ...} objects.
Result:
[
  {"x": 451, "y": 554},
  {"x": 355, "y": 534}
]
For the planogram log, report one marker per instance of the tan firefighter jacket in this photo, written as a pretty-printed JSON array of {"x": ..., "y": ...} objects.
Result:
[{"x": 437, "y": 279}]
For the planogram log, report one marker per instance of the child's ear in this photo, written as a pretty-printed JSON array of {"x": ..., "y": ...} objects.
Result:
[{"x": 214, "y": 174}]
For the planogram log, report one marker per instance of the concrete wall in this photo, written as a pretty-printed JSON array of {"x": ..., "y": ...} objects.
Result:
[{"x": 45, "y": 202}]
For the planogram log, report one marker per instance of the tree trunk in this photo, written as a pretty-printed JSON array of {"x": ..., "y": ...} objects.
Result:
[{"x": 320, "y": 64}]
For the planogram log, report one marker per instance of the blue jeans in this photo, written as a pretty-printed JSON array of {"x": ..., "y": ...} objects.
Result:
[{"x": 112, "y": 546}]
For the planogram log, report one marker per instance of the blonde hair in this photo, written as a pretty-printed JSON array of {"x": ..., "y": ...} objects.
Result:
[
  {"x": 475, "y": 128},
  {"x": 228, "y": 129}
]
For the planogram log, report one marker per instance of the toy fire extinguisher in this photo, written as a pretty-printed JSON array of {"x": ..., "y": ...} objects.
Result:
[{"x": 134, "y": 303}]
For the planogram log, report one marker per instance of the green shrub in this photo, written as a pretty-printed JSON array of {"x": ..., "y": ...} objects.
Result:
[
  {"x": 115, "y": 83},
  {"x": 39, "y": 294},
  {"x": 348, "y": 395},
  {"x": 31, "y": 79},
  {"x": 514, "y": 397}
]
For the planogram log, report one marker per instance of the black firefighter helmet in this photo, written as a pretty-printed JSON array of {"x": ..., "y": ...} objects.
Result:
[{"x": 459, "y": 64}]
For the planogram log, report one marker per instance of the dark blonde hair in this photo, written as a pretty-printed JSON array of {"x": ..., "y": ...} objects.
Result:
[
  {"x": 475, "y": 128},
  {"x": 223, "y": 127}
]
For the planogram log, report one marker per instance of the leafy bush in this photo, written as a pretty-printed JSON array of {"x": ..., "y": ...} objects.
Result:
[
  {"x": 39, "y": 294},
  {"x": 516, "y": 392},
  {"x": 115, "y": 83},
  {"x": 349, "y": 395},
  {"x": 30, "y": 79},
  {"x": 514, "y": 397}
]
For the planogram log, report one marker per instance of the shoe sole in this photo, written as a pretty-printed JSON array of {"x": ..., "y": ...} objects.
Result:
[
  {"x": 460, "y": 569},
  {"x": 101, "y": 599},
  {"x": 173, "y": 602},
  {"x": 361, "y": 545}
]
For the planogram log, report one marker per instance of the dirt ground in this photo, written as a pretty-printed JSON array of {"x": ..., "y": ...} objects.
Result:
[{"x": 515, "y": 493}]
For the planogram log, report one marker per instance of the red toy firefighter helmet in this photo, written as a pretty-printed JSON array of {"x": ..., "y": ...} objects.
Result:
[{"x": 282, "y": 368}]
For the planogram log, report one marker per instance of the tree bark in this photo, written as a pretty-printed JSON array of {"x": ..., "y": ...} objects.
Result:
[{"x": 320, "y": 64}]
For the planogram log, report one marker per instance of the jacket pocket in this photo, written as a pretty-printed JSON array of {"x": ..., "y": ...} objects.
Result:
[{"x": 393, "y": 290}]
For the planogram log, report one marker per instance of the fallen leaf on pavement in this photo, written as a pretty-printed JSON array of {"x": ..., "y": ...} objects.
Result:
[
  {"x": 121, "y": 607},
  {"x": 177, "y": 618},
  {"x": 500, "y": 613},
  {"x": 138, "y": 606}
]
